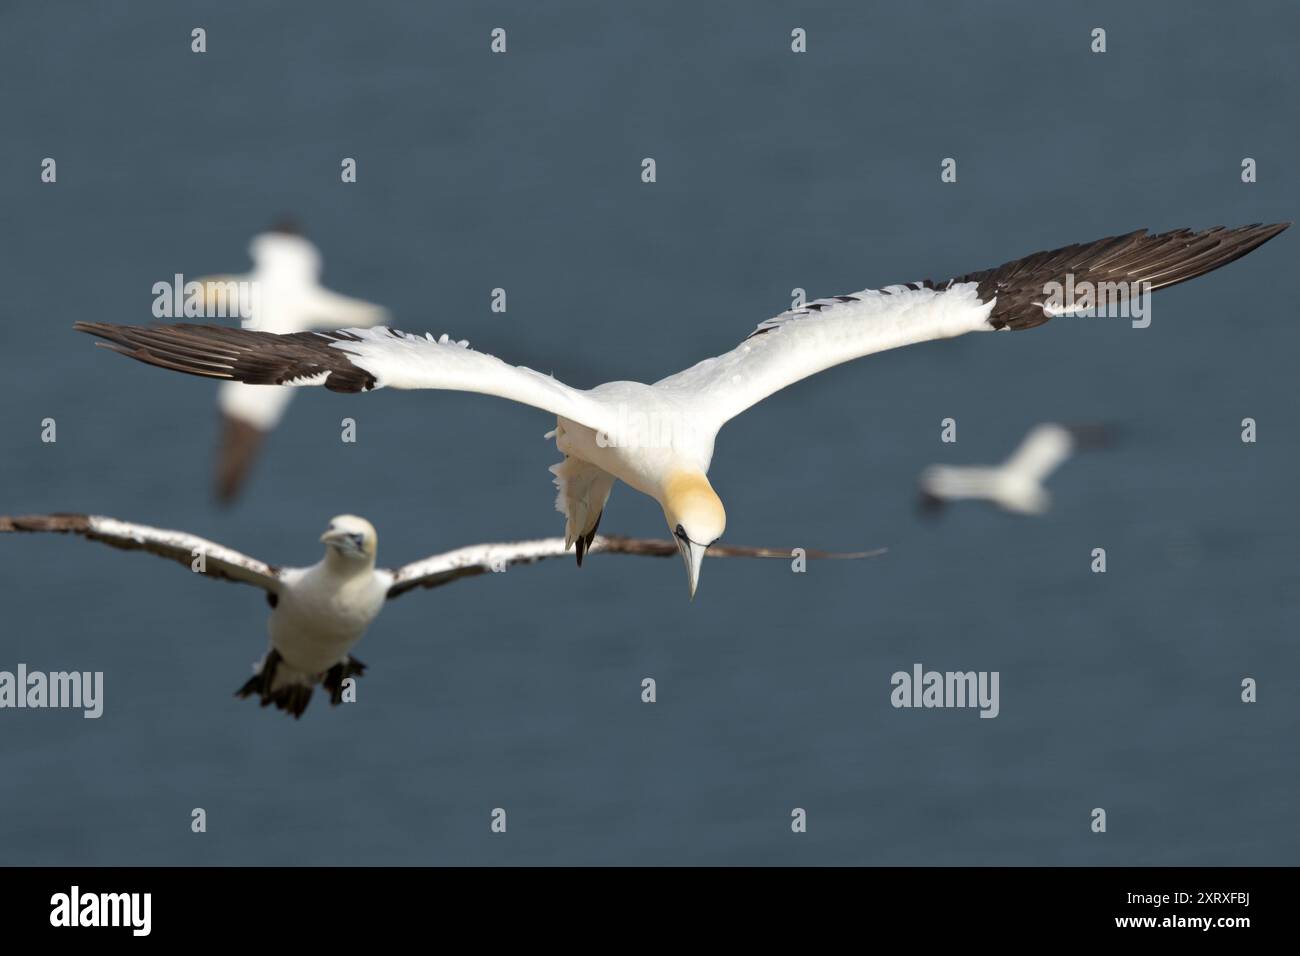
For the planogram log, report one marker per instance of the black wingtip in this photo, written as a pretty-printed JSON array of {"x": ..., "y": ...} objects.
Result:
[
  {"x": 1157, "y": 261},
  {"x": 1270, "y": 231},
  {"x": 929, "y": 505},
  {"x": 1093, "y": 436},
  {"x": 102, "y": 330}
]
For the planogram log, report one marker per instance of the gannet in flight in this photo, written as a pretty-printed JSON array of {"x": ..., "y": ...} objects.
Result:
[
  {"x": 288, "y": 297},
  {"x": 318, "y": 614},
  {"x": 659, "y": 438},
  {"x": 1017, "y": 484}
]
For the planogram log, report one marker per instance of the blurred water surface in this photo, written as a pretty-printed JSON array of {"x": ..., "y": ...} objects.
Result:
[{"x": 775, "y": 171}]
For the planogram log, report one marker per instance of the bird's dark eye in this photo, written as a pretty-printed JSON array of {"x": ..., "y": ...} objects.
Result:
[
  {"x": 359, "y": 540},
  {"x": 681, "y": 533}
]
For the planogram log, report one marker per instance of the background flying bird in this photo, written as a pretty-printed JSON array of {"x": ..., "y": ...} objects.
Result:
[
  {"x": 1017, "y": 484},
  {"x": 287, "y": 297}
]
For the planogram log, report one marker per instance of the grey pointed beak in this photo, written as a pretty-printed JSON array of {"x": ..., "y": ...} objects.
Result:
[
  {"x": 344, "y": 541},
  {"x": 693, "y": 555}
]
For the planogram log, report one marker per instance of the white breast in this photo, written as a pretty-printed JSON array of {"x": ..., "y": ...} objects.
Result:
[{"x": 320, "y": 616}]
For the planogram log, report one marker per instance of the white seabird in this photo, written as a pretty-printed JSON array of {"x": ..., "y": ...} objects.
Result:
[
  {"x": 318, "y": 614},
  {"x": 287, "y": 297},
  {"x": 1016, "y": 485},
  {"x": 659, "y": 438}
]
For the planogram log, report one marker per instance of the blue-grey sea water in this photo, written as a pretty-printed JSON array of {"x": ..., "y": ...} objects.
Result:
[{"x": 775, "y": 171}]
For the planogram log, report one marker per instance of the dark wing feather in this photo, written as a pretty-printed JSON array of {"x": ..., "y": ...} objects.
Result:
[
  {"x": 1162, "y": 260},
  {"x": 242, "y": 355}
]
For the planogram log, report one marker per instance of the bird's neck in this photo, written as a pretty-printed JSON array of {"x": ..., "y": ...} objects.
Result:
[
  {"x": 338, "y": 566},
  {"x": 680, "y": 486}
]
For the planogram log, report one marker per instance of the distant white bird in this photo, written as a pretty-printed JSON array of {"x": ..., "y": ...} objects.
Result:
[
  {"x": 1016, "y": 484},
  {"x": 287, "y": 297},
  {"x": 659, "y": 438},
  {"x": 320, "y": 613}
]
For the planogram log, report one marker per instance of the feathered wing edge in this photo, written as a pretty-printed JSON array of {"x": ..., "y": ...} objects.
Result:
[
  {"x": 1160, "y": 261},
  {"x": 347, "y": 360},
  {"x": 827, "y": 332},
  {"x": 218, "y": 561},
  {"x": 481, "y": 559}
]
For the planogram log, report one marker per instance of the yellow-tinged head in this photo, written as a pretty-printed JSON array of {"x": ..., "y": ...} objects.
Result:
[
  {"x": 350, "y": 538},
  {"x": 696, "y": 518}
]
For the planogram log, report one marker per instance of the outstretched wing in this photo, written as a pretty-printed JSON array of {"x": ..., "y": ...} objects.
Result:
[
  {"x": 483, "y": 558},
  {"x": 331, "y": 310},
  {"x": 828, "y": 332},
  {"x": 218, "y": 561},
  {"x": 348, "y": 360},
  {"x": 1042, "y": 451}
]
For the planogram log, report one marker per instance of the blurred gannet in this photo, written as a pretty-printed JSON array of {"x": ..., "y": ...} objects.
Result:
[
  {"x": 318, "y": 614},
  {"x": 1016, "y": 484},
  {"x": 288, "y": 298},
  {"x": 659, "y": 438}
]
